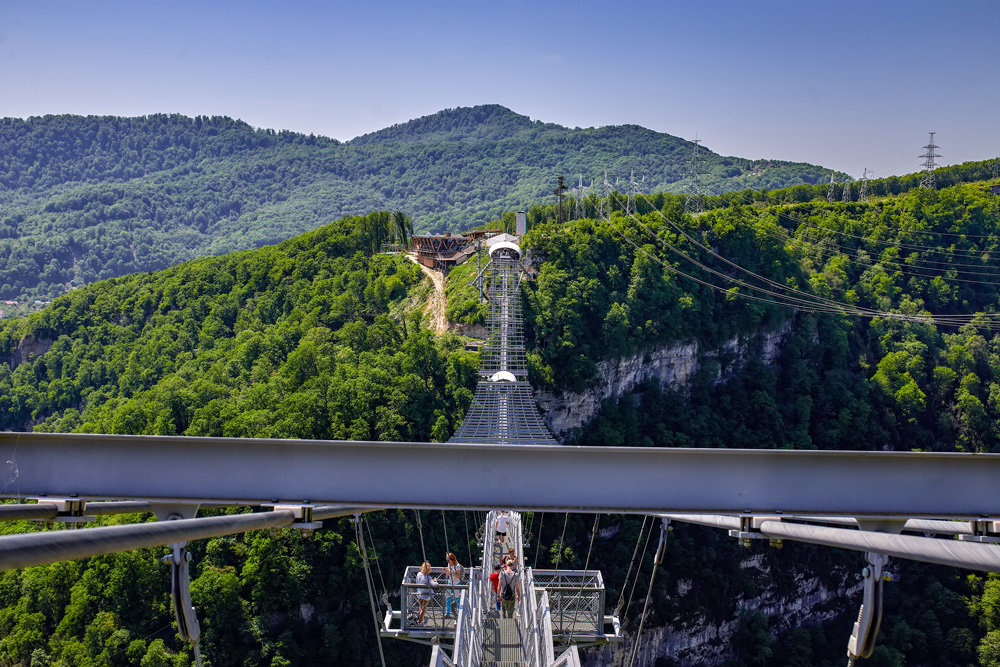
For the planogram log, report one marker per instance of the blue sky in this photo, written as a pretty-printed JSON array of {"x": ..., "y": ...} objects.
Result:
[{"x": 849, "y": 85}]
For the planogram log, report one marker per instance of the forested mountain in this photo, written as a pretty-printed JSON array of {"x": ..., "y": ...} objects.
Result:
[
  {"x": 320, "y": 337},
  {"x": 88, "y": 198}
]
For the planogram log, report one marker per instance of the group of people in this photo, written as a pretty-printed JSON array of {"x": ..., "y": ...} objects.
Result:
[
  {"x": 453, "y": 573},
  {"x": 506, "y": 584},
  {"x": 505, "y": 580}
]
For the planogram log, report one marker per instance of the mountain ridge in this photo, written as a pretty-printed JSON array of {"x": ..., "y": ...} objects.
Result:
[{"x": 84, "y": 198}]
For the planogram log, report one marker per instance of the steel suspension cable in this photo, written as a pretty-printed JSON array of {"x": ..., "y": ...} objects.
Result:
[
  {"x": 645, "y": 547},
  {"x": 444, "y": 526},
  {"x": 562, "y": 544},
  {"x": 593, "y": 533},
  {"x": 375, "y": 556},
  {"x": 657, "y": 560},
  {"x": 538, "y": 544},
  {"x": 369, "y": 584},
  {"x": 420, "y": 529},
  {"x": 468, "y": 538},
  {"x": 638, "y": 539}
]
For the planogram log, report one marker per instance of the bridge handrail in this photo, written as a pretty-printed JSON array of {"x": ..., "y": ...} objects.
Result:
[{"x": 468, "y": 651}]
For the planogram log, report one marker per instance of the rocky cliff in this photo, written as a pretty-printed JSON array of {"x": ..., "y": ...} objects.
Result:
[
  {"x": 672, "y": 365},
  {"x": 698, "y": 640}
]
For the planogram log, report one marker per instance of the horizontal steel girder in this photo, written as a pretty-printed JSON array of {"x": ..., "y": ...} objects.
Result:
[
  {"x": 458, "y": 476},
  {"x": 51, "y": 546}
]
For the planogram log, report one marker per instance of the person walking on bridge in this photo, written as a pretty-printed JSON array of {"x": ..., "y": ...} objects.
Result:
[
  {"x": 502, "y": 526},
  {"x": 510, "y": 591},
  {"x": 511, "y": 559}
]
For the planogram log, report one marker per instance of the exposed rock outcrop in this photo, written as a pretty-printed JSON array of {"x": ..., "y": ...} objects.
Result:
[
  {"x": 672, "y": 365},
  {"x": 698, "y": 640},
  {"x": 29, "y": 348}
]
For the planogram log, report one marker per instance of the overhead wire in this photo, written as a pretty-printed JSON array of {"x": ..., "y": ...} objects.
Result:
[
  {"x": 788, "y": 296},
  {"x": 900, "y": 244}
]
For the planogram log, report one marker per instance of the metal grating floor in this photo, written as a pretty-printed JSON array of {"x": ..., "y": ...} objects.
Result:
[
  {"x": 501, "y": 642},
  {"x": 503, "y": 413}
]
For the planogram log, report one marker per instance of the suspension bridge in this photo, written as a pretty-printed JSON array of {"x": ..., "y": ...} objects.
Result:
[{"x": 864, "y": 501}]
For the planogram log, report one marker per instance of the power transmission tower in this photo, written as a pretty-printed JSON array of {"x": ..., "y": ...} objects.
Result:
[
  {"x": 631, "y": 206},
  {"x": 604, "y": 210},
  {"x": 996, "y": 167},
  {"x": 693, "y": 202},
  {"x": 847, "y": 191},
  {"x": 927, "y": 180},
  {"x": 581, "y": 194},
  {"x": 560, "y": 193},
  {"x": 829, "y": 189},
  {"x": 863, "y": 194}
]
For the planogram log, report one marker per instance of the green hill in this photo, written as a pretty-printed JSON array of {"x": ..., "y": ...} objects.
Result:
[
  {"x": 88, "y": 198},
  {"x": 317, "y": 337}
]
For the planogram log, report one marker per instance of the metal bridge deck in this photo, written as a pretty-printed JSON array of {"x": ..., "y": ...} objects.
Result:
[{"x": 502, "y": 642}]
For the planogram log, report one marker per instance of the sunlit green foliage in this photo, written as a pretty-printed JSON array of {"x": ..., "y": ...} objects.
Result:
[{"x": 83, "y": 199}]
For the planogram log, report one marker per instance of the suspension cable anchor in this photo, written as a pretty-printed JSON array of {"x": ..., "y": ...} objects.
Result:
[
  {"x": 749, "y": 531},
  {"x": 862, "y": 641},
  {"x": 303, "y": 518}
]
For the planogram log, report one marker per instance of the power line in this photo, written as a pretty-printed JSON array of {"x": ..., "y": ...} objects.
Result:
[{"x": 780, "y": 293}]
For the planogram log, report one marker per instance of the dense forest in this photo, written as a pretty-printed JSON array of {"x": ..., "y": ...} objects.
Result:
[
  {"x": 321, "y": 337},
  {"x": 88, "y": 198}
]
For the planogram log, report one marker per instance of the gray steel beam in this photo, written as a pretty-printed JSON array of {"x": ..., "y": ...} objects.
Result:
[
  {"x": 26, "y": 511},
  {"x": 46, "y": 511},
  {"x": 912, "y": 525},
  {"x": 28, "y": 549},
  {"x": 953, "y": 553},
  {"x": 460, "y": 476},
  {"x": 950, "y": 552}
]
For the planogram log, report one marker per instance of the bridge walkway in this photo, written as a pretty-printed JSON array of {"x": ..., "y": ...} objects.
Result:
[{"x": 502, "y": 643}]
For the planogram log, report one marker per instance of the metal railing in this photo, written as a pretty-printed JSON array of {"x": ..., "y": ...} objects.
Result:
[
  {"x": 435, "y": 620},
  {"x": 468, "y": 651},
  {"x": 576, "y": 598}
]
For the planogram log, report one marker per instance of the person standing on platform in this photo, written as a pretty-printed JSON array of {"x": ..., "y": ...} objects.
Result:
[
  {"x": 427, "y": 585},
  {"x": 453, "y": 572}
]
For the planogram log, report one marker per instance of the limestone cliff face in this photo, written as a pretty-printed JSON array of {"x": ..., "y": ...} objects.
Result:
[
  {"x": 672, "y": 365},
  {"x": 697, "y": 640},
  {"x": 29, "y": 348}
]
